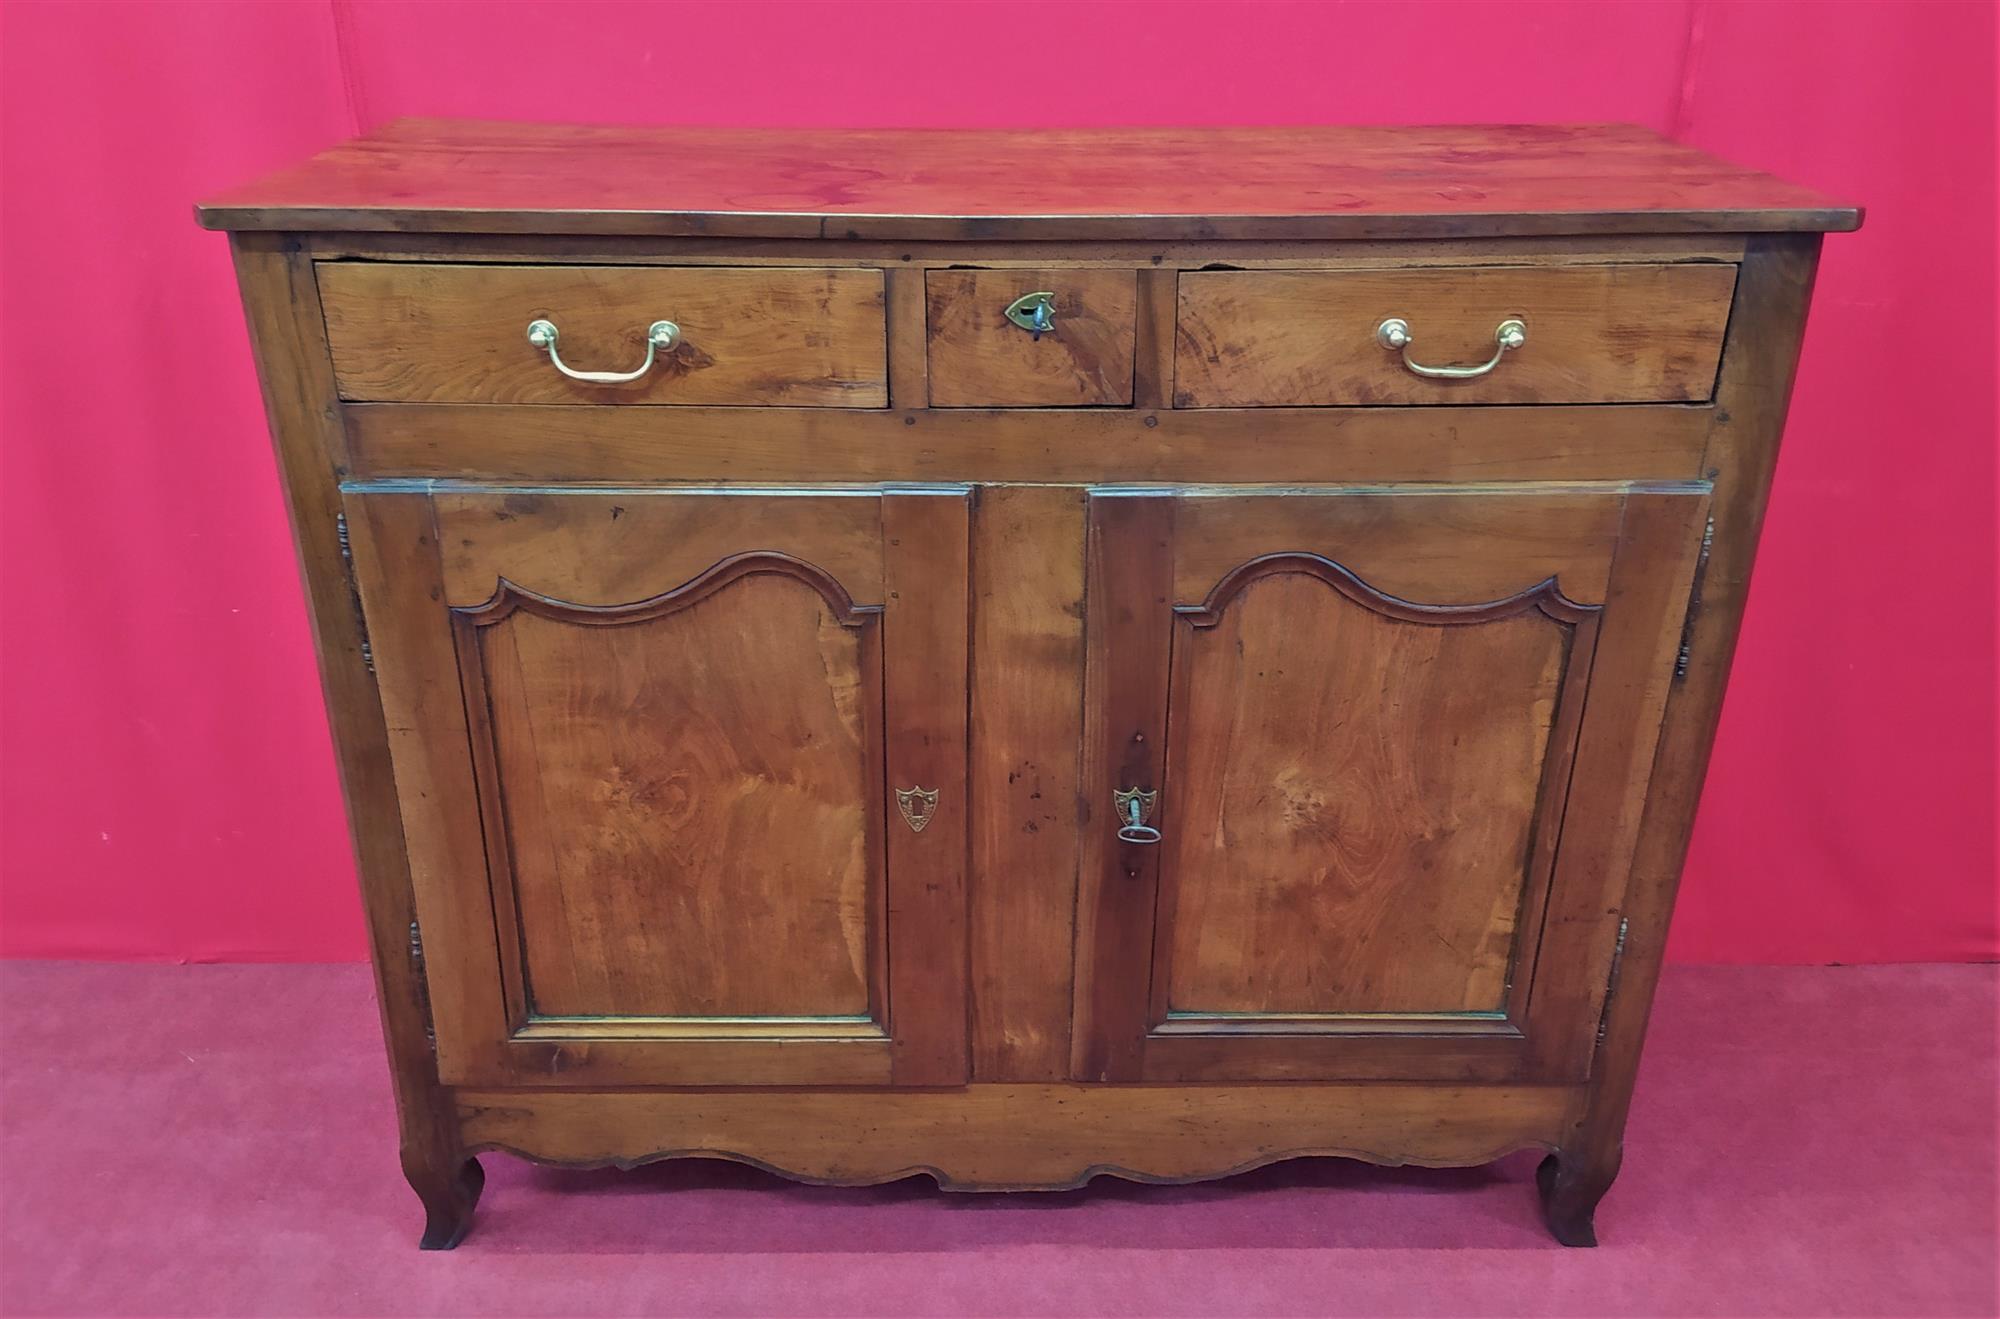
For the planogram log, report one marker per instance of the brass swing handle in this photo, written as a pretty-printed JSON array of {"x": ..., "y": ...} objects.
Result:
[
  {"x": 1394, "y": 334},
  {"x": 660, "y": 336}
]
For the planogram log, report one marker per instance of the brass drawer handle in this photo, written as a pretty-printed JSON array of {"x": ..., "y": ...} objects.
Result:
[
  {"x": 1034, "y": 312},
  {"x": 1135, "y": 808},
  {"x": 660, "y": 335},
  {"x": 1394, "y": 334}
]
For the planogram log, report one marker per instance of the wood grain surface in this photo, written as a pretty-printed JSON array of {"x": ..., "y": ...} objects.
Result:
[
  {"x": 288, "y": 338},
  {"x": 643, "y": 739},
  {"x": 1397, "y": 660},
  {"x": 1330, "y": 854},
  {"x": 1596, "y": 334},
  {"x": 1027, "y": 713},
  {"x": 1340, "y": 758},
  {"x": 632, "y": 544},
  {"x": 1283, "y": 445},
  {"x": 1463, "y": 544},
  {"x": 979, "y": 358},
  {"x": 458, "y": 334},
  {"x": 1160, "y": 183},
  {"x": 686, "y": 803},
  {"x": 1020, "y": 1137},
  {"x": 1759, "y": 365}
]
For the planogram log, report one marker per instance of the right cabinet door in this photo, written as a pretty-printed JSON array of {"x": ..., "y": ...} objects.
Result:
[{"x": 1363, "y": 773}]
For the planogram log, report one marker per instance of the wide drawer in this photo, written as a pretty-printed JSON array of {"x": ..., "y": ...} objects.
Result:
[
  {"x": 1590, "y": 334},
  {"x": 460, "y": 334},
  {"x": 1077, "y": 353}
]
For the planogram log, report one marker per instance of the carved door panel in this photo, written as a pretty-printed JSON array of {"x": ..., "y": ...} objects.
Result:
[
  {"x": 682, "y": 776},
  {"x": 1364, "y": 771}
]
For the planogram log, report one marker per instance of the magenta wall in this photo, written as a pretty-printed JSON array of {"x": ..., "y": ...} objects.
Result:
[{"x": 165, "y": 771}]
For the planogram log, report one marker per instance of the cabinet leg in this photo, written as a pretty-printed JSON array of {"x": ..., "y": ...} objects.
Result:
[
  {"x": 449, "y": 1195},
  {"x": 1570, "y": 1189}
]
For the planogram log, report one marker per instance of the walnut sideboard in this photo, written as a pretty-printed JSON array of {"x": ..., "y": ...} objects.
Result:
[{"x": 1021, "y": 656}]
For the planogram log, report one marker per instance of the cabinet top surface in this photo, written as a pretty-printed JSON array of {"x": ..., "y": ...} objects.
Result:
[{"x": 1148, "y": 184}]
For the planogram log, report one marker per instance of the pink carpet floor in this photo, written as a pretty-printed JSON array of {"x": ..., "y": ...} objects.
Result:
[{"x": 218, "y": 1141}]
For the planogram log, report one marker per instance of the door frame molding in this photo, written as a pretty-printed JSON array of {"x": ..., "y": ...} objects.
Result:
[
  {"x": 1625, "y": 642},
  {"x": 915, "y": 637}
]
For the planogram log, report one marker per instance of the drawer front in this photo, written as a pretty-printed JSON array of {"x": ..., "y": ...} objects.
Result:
[
  {"x": 751, "y": 336},
  {"x": 1592, "y": 334},
  {"x": 980, "y": 358}
]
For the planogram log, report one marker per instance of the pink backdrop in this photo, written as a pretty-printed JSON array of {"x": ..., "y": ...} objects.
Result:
[{"x": 168, "y": 789}]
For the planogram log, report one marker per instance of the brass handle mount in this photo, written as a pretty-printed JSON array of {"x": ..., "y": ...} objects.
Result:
[
  {"x": 1394, "y": 334},
  {"x": 660, "y": 336}
]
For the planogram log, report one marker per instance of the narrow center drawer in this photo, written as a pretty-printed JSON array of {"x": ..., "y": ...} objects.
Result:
[
  {"x": 1587, "y": 334},
  {"x": 1078, "y": 352},
  {"x": 420, "y": 333}
]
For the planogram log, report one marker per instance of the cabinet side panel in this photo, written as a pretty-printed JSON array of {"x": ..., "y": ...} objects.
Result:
[
  {"x": 1753, "y": 392},
  {"x": 1027, "y": 712},
  {"x": 281, "y": 304}
]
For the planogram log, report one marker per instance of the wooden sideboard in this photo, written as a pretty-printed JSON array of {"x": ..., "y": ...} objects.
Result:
[{"x": 1021, "y": 656}]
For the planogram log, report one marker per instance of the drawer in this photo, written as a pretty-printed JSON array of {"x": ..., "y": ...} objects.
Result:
[
  {"x": 460, "y": 334},
  {"x": 1592, "y": 334},
  {"x": 980, "y": 358}
]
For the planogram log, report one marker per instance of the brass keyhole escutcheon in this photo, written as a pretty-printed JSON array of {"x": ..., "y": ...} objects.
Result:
[
  {"x": 1034, "y": 312},
  {"x": 918, "y": 805},
  {"x": 1134, "y": 808}
]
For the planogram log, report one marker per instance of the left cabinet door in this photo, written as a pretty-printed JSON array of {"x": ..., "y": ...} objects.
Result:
[{"x": 682, "y": 774}]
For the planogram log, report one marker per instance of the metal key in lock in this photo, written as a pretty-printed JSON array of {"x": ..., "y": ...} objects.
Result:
[
  {"x": 1034, "y": 312},
  {"x": 1134, "y": 808}
]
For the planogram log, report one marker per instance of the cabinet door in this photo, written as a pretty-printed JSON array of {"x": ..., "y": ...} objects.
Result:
[
  {"x": 682, "y": 776},
  {"x": 1389, "y": 748}
]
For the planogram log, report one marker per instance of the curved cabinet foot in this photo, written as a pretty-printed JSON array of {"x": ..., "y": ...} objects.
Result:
[
  {"x": 448, "y": 1202},
  {"x": 1570, "y": 1189}
]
